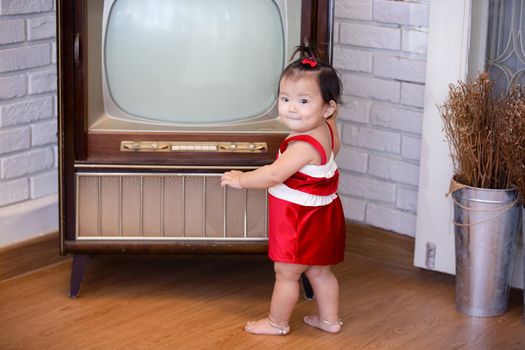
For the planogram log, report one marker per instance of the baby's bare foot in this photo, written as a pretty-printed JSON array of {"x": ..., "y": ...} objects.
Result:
[
  {"x": 327, "y": 326},
  {"x": 266, "y": 326}
]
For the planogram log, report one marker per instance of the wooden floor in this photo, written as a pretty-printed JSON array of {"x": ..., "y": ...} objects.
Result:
[{"x": 202, "y": 302}]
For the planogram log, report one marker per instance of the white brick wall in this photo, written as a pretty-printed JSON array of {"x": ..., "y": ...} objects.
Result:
[
  {"x": 44, "y": 184},
  {"x": 411, "y": 147},
  {"x": 403, "y": 69},
  {"x": 18, "y": 58},
  {"x": 400, "y": 12},
  {"x": 28, "y": 165},
  {"x": 12, "y": 31},
  {"x": 14, "y": 191},
  {"x": 14, "y": 139},
  {"x": 41, "y": 27},
  {"x": 391, "y": 218},
  {"x": 352, "y": 159},
  {"x": 372, "y": 138},
  {"x": 354, "y": 9},
  {"x": 395, "y": 117},
  {"x": 373, "y": 36},
  {"x": 412, "y": 94},
  {"x": 414, "y": 41},
  {"x": 380, "y": 53},
  {"x": 28, "y": 110},
  {"x": 13, "y": 86},
  {"x": 371, "y": 88},
  {"x": 17, "y": 7}
]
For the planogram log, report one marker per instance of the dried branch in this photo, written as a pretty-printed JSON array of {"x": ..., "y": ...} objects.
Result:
[
  {"x": 511, "y": 128},
  {"x": 470, "y": 116}
]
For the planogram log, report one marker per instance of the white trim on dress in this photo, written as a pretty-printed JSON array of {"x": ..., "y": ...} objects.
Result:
[
  {"x": 320, "y": 171},
  {"x": 286, "y": 193}
]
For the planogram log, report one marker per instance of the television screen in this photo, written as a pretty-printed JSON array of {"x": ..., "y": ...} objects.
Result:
[{"x": 190, "y": 63}]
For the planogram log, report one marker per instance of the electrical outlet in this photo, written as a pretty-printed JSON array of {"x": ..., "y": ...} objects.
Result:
[{"x": 430, "y": 256}]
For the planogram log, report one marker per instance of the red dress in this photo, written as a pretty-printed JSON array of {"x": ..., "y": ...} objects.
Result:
[{"x": 307, "y": 224}]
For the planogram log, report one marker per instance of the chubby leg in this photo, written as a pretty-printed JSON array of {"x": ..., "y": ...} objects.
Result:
[
  {"x": 284, "y": 298},
  {"x": 326, "y": 289}
]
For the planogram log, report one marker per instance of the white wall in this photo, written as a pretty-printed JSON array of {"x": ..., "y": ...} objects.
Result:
[
  {"x": 28, "y": 110},
  {"x": 380, "y": 52}
]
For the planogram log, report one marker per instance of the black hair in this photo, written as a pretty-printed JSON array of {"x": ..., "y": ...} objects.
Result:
[{"x": 308, "y": 63}]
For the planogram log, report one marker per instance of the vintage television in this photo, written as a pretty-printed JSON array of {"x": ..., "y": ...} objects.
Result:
[{"x": 157, "y": 99}]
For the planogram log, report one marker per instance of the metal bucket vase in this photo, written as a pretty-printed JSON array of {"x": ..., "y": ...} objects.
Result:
[{"x": 486, "y": 225}]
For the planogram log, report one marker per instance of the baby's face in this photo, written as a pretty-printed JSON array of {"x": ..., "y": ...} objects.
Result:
[{"x": 301, "y": 106}]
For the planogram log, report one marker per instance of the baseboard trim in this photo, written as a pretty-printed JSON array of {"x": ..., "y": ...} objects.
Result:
[
  {"x": 362, "y": 240},
  {"x": 378, "y": 244},
  {"x": 21, "y": 222}
]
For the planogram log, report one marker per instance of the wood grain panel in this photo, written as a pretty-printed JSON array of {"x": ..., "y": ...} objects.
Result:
[{"x": 104, "y": 148}]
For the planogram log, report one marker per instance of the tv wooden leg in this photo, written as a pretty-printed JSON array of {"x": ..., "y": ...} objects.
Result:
[
  {"x": 307, "y": 287},
  {"x": 80, "y": 262}
]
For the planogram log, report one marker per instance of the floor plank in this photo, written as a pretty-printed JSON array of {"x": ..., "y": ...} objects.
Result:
[
  {"x": 202, "y": 302},
  {"x": 30, "y": 255}
]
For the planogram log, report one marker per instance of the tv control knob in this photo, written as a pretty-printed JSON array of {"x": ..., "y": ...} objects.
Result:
[
  {"x": 136, "y": 145},
  {"x": 154, "y": 145},
  {"x": 251, "y": 146},
  {"x": 233, "y": 146}
]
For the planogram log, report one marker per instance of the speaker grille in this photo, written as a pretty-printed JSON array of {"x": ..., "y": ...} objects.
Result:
[{"x": 167, "y": 207}]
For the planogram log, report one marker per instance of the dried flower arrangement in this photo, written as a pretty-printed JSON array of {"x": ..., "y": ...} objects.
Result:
[
  {"x": 511, "y": 130},
  {"x": 470, "y": 117}
]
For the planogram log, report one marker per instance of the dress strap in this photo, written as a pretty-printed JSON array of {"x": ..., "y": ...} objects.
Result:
[{"x": 308, "y": 139}]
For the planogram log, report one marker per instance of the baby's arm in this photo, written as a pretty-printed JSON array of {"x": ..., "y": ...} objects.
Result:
[{"x": 297, "y": 155}]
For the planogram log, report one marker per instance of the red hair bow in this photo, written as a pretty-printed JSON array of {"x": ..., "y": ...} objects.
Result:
[{"x": 310, "y": 60}]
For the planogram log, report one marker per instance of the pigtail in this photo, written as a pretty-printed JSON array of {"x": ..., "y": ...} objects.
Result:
[
  {"x": 306, "y": 50},
  {"x": 309, "y": 54}
]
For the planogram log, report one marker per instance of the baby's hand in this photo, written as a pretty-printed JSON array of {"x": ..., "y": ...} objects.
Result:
[{"x": 231, "y": 178}]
